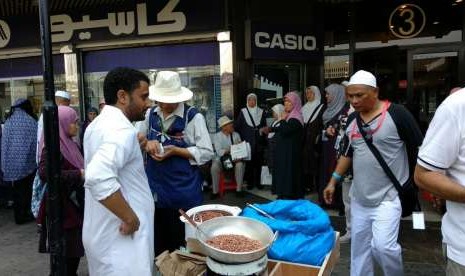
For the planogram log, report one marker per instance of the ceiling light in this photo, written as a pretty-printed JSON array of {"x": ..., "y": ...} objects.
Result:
[{"x": 435, "y": 22}]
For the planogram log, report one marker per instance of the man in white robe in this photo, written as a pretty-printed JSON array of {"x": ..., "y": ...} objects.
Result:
[{"x": 119, "y": 208}]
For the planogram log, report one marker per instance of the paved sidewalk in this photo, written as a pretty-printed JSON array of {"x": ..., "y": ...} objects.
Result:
[{"x": 18, "y": 245}]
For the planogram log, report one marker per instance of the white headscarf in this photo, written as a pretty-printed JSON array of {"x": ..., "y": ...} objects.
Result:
[
  {"x": 309, "y": 107},
  {"x": 255, "y": 111},
  {"x": 278, "y": 109}
]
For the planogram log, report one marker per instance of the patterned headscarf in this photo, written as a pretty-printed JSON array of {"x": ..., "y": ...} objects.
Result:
[
  {"x": 296, "y": 111},
  {"x": 19, "y": 143}
]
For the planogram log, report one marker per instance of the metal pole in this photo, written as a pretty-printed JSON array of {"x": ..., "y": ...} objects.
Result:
[{"x": 52, "y": 143}]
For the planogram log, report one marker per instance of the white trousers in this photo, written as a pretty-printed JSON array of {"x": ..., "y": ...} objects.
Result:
[
  {"x": 216, "y": 168},
  {"x": 346, "y": 184},
  {"x": 374, "y": 236}
]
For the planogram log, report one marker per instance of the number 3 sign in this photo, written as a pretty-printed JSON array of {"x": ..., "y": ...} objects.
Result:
[{"x": 407, "y": 20}]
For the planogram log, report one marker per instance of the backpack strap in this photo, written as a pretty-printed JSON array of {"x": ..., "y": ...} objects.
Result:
[
  {"x": 315, "y": 112},
  {"x": 408, "y": 131}
]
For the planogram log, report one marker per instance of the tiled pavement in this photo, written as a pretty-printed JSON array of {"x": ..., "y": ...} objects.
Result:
[{"x": 18, "y": 244}]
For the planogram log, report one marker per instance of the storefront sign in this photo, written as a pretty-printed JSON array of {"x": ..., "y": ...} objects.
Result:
[
  {"x": 282, "y": 42},
  {"x": 149, "y": 18},
  {"x": 407, "y": 21}
]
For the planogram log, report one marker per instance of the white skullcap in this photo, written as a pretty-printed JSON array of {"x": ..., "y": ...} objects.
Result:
[
  {"x": 363, "y": 77},
  {"x": 345, "y": 83},
  {"x": 62, "y": 94}
]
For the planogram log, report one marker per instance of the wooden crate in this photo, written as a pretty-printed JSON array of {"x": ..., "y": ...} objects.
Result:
[{"x": 281, "y": 268}]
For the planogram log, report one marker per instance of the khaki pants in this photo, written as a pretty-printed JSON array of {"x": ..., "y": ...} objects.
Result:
[
  {"x": 216, "y": 168},
  {"x": 452, "y": 268}
]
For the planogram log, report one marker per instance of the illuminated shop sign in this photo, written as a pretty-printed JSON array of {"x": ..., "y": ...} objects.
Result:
[
  {"x": 137, "y": 20},
  {"x": 283, "y": 42}
]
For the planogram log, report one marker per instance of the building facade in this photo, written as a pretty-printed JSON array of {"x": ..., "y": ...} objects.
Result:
[{"x": 225, "y": 49}]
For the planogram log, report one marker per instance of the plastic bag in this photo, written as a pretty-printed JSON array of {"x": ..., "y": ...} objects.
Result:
[
  {"x": 265, "y": 176},
  {"x": 38, "y": 190},
  {"x": 305, "y": 232}
]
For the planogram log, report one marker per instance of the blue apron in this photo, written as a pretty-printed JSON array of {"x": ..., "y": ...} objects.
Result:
[{"x": 177, "y": 183}]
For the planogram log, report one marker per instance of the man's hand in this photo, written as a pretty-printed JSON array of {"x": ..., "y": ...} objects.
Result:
[
  {"x": 438, "y": 203},
  {"x": 265, "y": 130},
  {"x": 331, "y": 131},
  {"x": 142, "y": 141},
  {"x": 328, "y": 193},
  {"x": 168, "y": 152},
  {"x": 152, "y": 148},
  {"x": 129, "y": 226}
]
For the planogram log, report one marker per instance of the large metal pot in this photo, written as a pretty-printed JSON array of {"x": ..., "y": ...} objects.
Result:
[
  {"x": 248, "y": 227},
  {"x": 190, "y": 230}
]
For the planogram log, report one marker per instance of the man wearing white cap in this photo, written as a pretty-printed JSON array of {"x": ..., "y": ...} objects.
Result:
[
  {"x": 375, "y": 206},
  {"x": 61, "y": 98},
  {"x": 223, "y": 140},
  {"x": 178, "y": 143}
]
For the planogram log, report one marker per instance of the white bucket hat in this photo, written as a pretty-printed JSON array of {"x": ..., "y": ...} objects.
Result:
[
  {"x": 363, "y": 77},
  {"x": 168, "y": 89},
  {"x": 62, "y": 94},
  {"x": 224, "y": 120}
]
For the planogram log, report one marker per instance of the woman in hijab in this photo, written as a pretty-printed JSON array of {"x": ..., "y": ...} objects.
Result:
[
  {"x": 251, "y": 125},
  {"x": 92, "y": 112},
  {"x": 336, "y": 110},
  {"x": 312, "y": 113},
  {"x": 72, "y": 181},
  {"x": 18, "y": 157},
  {"x": 278, "y": 110},
  {"x": 287, "y": 165}
]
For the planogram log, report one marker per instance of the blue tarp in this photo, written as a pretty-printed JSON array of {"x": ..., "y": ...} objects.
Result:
[{"x": 305, "y": 232}]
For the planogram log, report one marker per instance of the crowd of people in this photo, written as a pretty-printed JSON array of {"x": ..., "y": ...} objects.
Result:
[{"x": 139, "y": 158}]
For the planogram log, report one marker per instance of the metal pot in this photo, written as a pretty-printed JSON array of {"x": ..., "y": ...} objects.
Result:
[
  {"x": 248, "y": 227},
  {"x": 190, "y": 230}
]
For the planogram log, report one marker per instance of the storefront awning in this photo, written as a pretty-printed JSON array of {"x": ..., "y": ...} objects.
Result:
[{"x": 25, "y": 7}]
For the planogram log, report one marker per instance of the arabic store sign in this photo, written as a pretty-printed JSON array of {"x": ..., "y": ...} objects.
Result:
[{"x": 150, "y": 18}]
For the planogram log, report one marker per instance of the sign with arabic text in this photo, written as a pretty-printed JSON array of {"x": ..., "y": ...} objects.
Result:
[{"x": 141, "y": 19}]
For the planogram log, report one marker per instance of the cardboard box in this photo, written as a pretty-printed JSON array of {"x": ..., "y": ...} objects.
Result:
[
  {"x": 281, "y": 268},
  {"x": 180, "y": 263}
]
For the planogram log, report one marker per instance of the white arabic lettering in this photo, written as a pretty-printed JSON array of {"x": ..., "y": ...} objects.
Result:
[
  {"x": 165, "y": 15},
  {"x": 63, "y": 27},
  {"x": 123, "y": 24}
]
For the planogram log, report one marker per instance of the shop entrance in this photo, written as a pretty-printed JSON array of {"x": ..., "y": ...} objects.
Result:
[
  {"x": 432, "y": 73},
  {"x": 388, "y": 64},
  {"x": 272, "y": 81}
]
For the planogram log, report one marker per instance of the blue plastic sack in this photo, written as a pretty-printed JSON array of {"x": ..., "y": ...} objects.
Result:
[{"x": 305, "y": 232}]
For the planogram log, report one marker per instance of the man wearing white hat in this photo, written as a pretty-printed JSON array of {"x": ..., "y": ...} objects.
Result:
[
  {"x": 222, "y": 141},
  {"x": 178, "y": 143},
  {"x": 61, "y": 98},
  {"x": 375, "y": 206}
]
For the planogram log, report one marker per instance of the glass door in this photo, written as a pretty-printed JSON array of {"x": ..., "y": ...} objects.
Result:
[{"x": 433, "y": 75}]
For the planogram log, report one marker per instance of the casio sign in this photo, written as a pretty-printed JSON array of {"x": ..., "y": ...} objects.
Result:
[{"x": 285, "y": 41}]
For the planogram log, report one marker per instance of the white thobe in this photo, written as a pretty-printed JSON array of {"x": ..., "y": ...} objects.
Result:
[{"x": 113, "y": 161}]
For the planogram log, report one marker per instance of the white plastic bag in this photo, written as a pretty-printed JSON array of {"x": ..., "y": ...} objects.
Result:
[{"x": 265, "y": 176}]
